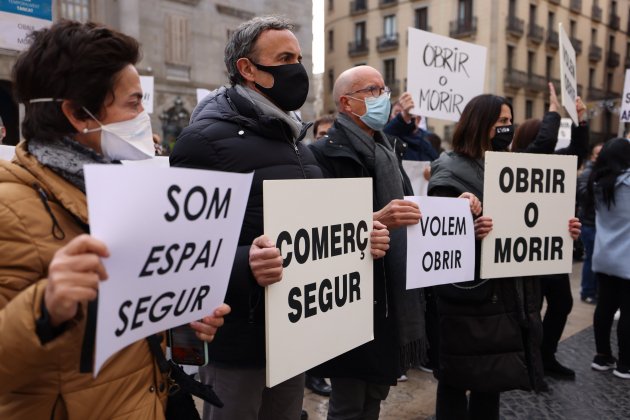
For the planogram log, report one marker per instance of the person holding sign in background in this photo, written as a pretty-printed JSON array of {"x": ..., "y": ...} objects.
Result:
[
  {"x": 77, "y": 81},
  {"x": 609, "y": 187},
  {"x": 536, "y": 136},
  {"x": 357, "y": 147},
  {"x": 490, "y": 329}
]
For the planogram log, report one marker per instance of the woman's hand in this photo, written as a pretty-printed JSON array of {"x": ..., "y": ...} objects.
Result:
[
  {"x": 208, "y": 326},
  {"x": 379, "y": 240},
  {"x": 475, "y": 204},
  {"x": 575, "y": 228},
  {"x": 483, "y": 226}
]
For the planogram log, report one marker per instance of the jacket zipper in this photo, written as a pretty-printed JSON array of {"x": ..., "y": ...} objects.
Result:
[{"x": 299, "y": 157}]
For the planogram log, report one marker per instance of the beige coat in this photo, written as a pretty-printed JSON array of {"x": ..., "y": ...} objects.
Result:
[{"x": 38, "y": 380}]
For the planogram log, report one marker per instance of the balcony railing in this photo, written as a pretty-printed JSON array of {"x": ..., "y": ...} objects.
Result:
[
  {"x": 514, "y": 79},
  {"x": 536, "y": 82},
  {"x": 575, "y": 6},
  {"x": 596, "y": 13},
  {"x": 515, "y": 26},
  {"x": 358, "y": 6},
  {"x": 387, "y": 42},
  {"x": 535, "y": 33},
  {"x": 595, "y": 94},
  {"x": 612, "y": 59},
  {"x": 614, "y": 21},
  {"x": 463, "y": 27},
  {"x": 554, "y": 1},
  {"x": 387, "y": 3},
  {"x": 552, "y": 38},
  {"x": 594, "y": 53},
  {"x": 577, "y": 45},
  {"x": 356, "y": 48},
  {"x": 394, "y": 85}
]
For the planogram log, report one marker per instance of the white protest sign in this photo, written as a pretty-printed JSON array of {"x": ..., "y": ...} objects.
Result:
[
  {"x": 415, "y": 172},
  {"x": 624, "y": 112},
  {"x": 159, "y": 161},
  {"x": 443, "y": 74},
  {"x": 147, "y": 82},
  {"x": 564, "y": 133},
  {"x": 201, "y": 93},
  {"x": 568, "y": 78},
  {"x": 172, "y": 234},
  {"x": 7, "y": 152},
  {"x": 441, "y": 247},
  {"x": 18, "y": 18},
  {"x": 530, "y": 198},
  {"x": 323, "y": 306}
]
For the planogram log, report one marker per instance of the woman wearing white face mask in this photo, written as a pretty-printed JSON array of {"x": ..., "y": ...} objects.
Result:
[{"x": 83, "y": 105}]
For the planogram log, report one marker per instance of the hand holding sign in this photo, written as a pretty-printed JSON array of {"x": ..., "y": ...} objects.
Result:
[
  {"x": 73, "y": 277},
  {"x": 379, "y": 239},
  {"x": 483, "y": 226},
  {"x": 407, "y": 104},
  {"x": 208, "y": 326},
  {"x": 398, "y": 213},
  {"x": 475, "y": 204},
  {"x": 265, "y": 261},
  {"x": 575, "y": 228}
]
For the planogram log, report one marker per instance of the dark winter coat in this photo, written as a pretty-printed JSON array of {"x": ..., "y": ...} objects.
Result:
[
  {"x": 418, "y": 148},
  {"x": 228, "y": 133},
  {"x": 377, "y": 360},
  {"x": 489, "y": 330}
]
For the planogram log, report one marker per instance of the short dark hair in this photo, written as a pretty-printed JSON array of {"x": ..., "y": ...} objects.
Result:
[
  {"x": 242, "y": 43},
  {"x": 525, "y": 134},
  {"x": 471, "y": 133},
  {"x": 613, "y": 161},
  {"x": 74, "y": 61},
  {"x": 324, "y": 119}
]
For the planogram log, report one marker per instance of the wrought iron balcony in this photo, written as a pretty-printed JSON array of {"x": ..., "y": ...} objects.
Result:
[
  {"x": 387, "y": 42},
  {"x": 463, "y": 27},
  {"x": 614, "y": 21},
  {"x": 554, "y": 1},
  {"x": 358, "y": 6},
  {"x": 577, "y": 45},
  {"x": 387, "y": 3},
  {"x": 575, "y": 6},
  {"x": 552, "y": 38},
  {"x": 356, "y": 48},
  {"x": 514, "y": 79},
  {"x": 515, "y": 26},
  {"x": 612, "y": 59},
  {"x": 535, "y": 33},
  {"x": 536, "y": 82},
  {"x": 594, "y": 53},
  {"x": 596, "y": 13},
  {"x": 595, "y": 94}
]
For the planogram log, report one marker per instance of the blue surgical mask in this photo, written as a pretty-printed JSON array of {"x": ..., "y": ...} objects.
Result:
[{"x": 376, "y": 111}]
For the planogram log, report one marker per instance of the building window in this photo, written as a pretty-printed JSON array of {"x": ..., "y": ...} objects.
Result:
[
  {"x": 359, "y": 33},
  {"x": 549, "y": 67},
  {"x": 531, "y": 61},
  {"x": 75, "y": 9},
  {"x": 389, "y": 27},
  {"x": 512, "y": 8},
  {"x": 572, "y": 28},
  {"x": 389, "y": 71},
  {"x": 611, "y": 43},
  {"x": 510, "y": 57},
  {"x": 176, "y": 40},
  {"x": 532, "y": 14},
  {"x": 331, "y": 40},
  {"x": 529, "y": 108},
  {"x": 331, "y": 4},
  {"x": 464, "y": 10},
  {"x": 594, "y": 36},
  {"x": 609, "y": 81},
  {"x": 421, "y": 18},
  {"x": 331, "y": 80},
  {"x": 591, "y": 77},
  {"x": 551, "y": 17}
]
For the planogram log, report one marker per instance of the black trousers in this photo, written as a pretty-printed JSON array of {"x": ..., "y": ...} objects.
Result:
[
  {"x": 613, "y": 294},
  {"x": 453, "y": 404},
  {"x": 556, "y": 288}
]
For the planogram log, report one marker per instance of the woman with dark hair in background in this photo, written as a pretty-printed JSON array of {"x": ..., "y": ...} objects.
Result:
[
  {"x": 83, "y": 105},
  {"x": 541, "y": 136},
  {"x": 609, "y": 187},
  {"x": 489, "y": 329}
]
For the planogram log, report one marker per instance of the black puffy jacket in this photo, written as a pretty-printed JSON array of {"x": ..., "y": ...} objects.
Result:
[{"x": 229, "y": 133}]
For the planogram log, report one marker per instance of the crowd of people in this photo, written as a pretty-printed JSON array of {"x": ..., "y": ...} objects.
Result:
[{"x": 82, "y": 100}]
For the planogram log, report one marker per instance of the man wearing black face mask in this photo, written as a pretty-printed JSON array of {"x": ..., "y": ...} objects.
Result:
[{"x": 247, "y": 127}]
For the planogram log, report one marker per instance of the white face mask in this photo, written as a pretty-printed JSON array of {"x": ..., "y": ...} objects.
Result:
[{"x": 127, "y": 140}]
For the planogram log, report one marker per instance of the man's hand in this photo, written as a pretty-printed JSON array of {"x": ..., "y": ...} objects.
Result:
[
  {"x": 208, "y": 326},
  {"x": 554, "y": 104},
  {"x": 575, "y": 228},
  {"x": 483, "y": 226},
  {"x": 73, "y": 277},
  {"x": 265, "y": 261},
  {"x": 398, "y": 213},
  {"x": 379, "y": 240},
  {"x": 406, "y": 102},
  {"x": 475, "y": 204}
]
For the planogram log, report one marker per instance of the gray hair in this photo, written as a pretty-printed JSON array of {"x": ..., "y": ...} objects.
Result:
[{"x": 242, "y": 42}]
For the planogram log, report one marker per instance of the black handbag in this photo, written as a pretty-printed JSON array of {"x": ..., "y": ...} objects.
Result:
[{"x": 182, "y": 387}]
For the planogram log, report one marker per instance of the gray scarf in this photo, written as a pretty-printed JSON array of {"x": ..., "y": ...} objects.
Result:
[
  {"x": 408, "y": 306},
  {"x": 65, "y": 157}
]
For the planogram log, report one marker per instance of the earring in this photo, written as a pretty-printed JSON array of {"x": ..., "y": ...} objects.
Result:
[{"x": 85, "y": 130}]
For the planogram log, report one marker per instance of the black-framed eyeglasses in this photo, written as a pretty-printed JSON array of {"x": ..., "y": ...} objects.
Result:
[{"x": 374, "y": 91}]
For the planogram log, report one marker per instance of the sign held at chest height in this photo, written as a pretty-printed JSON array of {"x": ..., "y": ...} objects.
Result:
[
  {"x": 322, "y": 229},
  {"x": 443, "y": 74},
  {"x": 531, "y": 198},
  {"x": 441, "y": 248},
  {"x": 172, "y": 234}
]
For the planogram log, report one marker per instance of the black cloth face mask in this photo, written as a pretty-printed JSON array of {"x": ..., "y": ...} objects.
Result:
[
  {"x": 502, "y": 138},
  {"x": 290, "y": 85}
]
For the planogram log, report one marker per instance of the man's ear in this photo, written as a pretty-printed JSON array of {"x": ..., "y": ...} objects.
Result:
[
  {"x": 344, "y": 102},
  {"x": 246, "y": 68}
]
